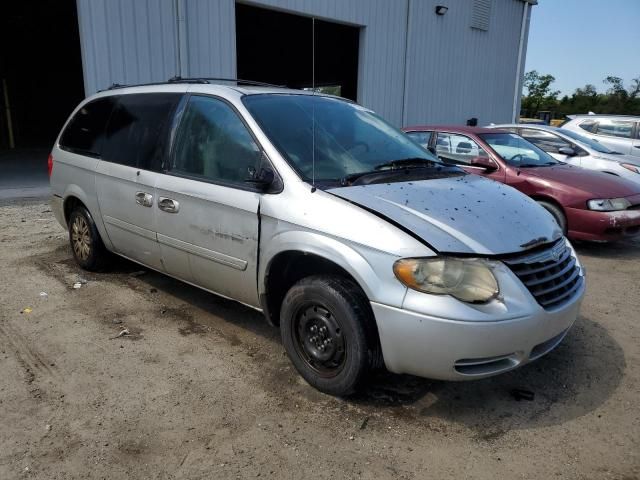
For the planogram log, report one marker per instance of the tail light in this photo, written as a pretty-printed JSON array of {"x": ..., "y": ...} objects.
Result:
[{"x": 50, "y": 164}]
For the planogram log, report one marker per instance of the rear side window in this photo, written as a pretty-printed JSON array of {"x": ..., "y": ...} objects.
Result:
[
  {"x": 134, "y": 135},
  {"x": 589, "y": 125},
  {"x": 457, "y": 149},
  {"x": 615, "y": 128},
  {"x": 85, "y": 132}
]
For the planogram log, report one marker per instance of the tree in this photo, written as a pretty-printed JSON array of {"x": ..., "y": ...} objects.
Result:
[{"x": 539, "y": 93}]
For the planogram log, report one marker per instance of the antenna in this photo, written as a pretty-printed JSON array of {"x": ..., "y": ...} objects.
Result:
[{"x": 313, "y": 105}]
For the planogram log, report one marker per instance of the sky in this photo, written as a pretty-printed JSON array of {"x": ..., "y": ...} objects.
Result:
[{"x": 584, "y": 41}]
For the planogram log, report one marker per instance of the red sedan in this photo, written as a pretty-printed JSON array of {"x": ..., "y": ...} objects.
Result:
[{"x": 588, "y": 205}]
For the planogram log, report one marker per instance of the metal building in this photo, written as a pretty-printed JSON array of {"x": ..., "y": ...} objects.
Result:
[{"x": 412, "y": 61}]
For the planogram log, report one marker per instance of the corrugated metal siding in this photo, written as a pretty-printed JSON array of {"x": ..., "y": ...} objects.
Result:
[
  {"x": 454, "y": 72},
  {"x": 457, "y": 72},
  {"x": 126, "y": 42}
]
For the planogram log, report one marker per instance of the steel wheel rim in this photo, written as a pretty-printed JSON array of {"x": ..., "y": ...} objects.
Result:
[
  {"x": 319, "y": 340},
  {"x": 81, "y": 238}
]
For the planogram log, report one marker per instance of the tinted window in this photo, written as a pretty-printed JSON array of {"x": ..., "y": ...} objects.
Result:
[
  {"x": 134, "y": 133},
  {"x": 421, "y": 138},
  {"x": 212, "y": 142},
  {"x": 589, "y": 125},
  {"x": 335, "y": 137},
  {"x": 85, "y": 131},
  {"x": 615, "y": 128},
  {"x": 457, "y": 149},
  {"x": 545, "y": 140}
]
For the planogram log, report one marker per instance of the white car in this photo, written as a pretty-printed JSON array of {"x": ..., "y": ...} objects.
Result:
[
  {"x": 618, "y": 132},
  {"x": 576, "y": 149}
]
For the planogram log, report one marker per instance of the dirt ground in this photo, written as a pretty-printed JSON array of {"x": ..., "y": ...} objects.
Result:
[{"x": 203, "y": 389}]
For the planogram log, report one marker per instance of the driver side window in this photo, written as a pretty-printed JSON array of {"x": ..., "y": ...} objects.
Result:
[
  {"x": 214, "y": 144},
  {"x": 457, "y": 149}
]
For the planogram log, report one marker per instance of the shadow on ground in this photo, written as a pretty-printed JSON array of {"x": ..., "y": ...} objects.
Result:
[{"x": 570, "y": 382}]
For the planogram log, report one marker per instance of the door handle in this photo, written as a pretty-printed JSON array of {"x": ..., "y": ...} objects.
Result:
[
  {"x": 168, "y": 205},
  {"x": 145, "y": 199}
]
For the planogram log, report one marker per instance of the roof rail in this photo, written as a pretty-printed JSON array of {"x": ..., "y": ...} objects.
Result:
[
  {"x": 115, "y": 86},
  {"x": 239, "y": 81}
]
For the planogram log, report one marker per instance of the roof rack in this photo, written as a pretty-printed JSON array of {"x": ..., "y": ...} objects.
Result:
[
  {"x": 176, "y": 79},
  {"x": 220, "y": 79}
]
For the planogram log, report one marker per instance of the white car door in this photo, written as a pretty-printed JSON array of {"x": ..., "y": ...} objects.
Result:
[{"x": 207, "y": 212}]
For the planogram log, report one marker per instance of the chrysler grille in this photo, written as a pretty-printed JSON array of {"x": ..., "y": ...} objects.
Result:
[{"x": 551, "y": 275}]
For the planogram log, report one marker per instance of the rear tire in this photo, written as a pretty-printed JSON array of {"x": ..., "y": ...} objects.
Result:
[
  {"x": 87, "y": 246},
  {"x": 328, "y": 331},
  {"x": 557, "y": 213}
]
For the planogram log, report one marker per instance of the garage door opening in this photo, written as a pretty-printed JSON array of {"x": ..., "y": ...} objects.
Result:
[
  {"x": 276, "y": 47},
  {"x": 40, "y": 71}
]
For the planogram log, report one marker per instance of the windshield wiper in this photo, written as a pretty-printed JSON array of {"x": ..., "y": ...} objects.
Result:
[{"x": 414, "y": 162}]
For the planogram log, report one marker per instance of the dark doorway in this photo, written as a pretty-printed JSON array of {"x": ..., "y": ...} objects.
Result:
[
  {"x": 40, "y": 70},
  {"x": 276, "y": 47}
]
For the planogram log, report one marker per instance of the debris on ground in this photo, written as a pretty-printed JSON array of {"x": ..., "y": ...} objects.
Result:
[
  {"x": 116, "y": 321},
  {"x": 77, "y": 285},
  {"x": 522, "y": 394},
  {"x": 26, "y": 310},
  {"x": 48, "y": 428},
  {"x": 123, "y": 333},
  {"x": 138, "y": 273},
  {"x": 364, "y": 423},
  {"x": 44, "y": 295}
]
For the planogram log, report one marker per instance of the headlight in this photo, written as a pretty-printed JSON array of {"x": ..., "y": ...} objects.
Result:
[
  {"x": 629, "y": 166},
  {"x": 609, "y": 204},
  {"x": 470, "y": 280}
]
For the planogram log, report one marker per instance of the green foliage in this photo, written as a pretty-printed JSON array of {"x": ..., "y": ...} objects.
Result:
[{"x": 617, "y": 99}]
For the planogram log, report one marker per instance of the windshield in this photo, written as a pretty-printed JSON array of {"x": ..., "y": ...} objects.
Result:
[
  {"x": 598, "y": 147},
  {"x": 517, "y": 151},
  {"x": 349, "y": 139}
]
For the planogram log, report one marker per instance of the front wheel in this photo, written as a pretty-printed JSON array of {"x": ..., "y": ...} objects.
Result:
[
  {"x": 328, "y": 331},
  {"x": 557, "y": 214}
]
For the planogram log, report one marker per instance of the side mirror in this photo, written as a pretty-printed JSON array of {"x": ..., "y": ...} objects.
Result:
[
  {"x": 568, "y": 151},
  {"x": 485, "y": 163},
  {"x": 261, "y": 179}
]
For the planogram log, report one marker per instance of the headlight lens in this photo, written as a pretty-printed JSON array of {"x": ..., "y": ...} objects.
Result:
[
  {"x": 470, "y": 280},
  {"x": 609, "y": 204},
  {"x": 629, "y": 166}
]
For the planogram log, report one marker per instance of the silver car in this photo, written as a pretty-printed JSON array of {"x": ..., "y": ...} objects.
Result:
[
  {"x": 620, "y": 133},
  {"x": 358, "y": 243},
  {"x": 576, "y": 149}
]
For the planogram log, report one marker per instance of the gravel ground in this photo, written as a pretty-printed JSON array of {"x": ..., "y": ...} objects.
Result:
[{"x": 202, "y": 387}]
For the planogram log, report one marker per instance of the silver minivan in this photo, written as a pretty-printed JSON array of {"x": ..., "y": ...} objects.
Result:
[{"x": 358, "y": 243}]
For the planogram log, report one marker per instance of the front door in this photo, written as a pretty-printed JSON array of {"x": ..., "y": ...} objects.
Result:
[
  {"x": 127, "y": 174},
  {"x": 207, "y": 213},
  {"x": 460, "y": 150}
]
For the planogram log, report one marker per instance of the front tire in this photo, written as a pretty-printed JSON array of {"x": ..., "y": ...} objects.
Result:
[
  {"x": 87, "y": 246},
  {"x": 328, "y": 331},
  {"x": 557, "y": 214}
]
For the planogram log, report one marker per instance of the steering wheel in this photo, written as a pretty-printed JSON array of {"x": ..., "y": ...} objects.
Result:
[{"x": 512, "y": 159}]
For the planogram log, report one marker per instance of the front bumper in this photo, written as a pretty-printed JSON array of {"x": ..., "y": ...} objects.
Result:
[
  {"x": 441, "y": 348},
  {"x": 602, "y": 226}
]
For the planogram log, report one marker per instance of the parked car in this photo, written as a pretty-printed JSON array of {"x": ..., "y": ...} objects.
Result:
[
  {"x": 362, "y": 246},
  {"x": 587, "y": 205},
  {"x": 576, "y": 149},
  {"x": 618, "y": 132}
]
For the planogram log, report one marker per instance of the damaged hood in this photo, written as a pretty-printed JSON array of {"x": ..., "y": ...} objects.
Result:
[{"x": 464, "y": 214}]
